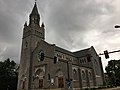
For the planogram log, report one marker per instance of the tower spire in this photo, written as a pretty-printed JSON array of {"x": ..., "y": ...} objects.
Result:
[
  {"x": 34, "y": 16},
  {"x": 35, "y": 10}
]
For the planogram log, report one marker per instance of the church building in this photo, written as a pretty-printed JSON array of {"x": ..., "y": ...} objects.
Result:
[{"x": 45, "y": 66}]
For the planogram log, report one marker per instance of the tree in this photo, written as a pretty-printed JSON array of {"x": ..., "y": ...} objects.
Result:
[
  {"x": 8, "y": 75},
  {"x": 113, "y": 72}
]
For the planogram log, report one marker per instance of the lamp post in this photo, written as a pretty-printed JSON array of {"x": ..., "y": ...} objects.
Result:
[{"x": 68, "y": 80}]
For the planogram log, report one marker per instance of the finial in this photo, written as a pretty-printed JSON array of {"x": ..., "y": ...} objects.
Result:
[
  {"x": 25, "y": 23},
  {"x": 35, "y": 1},
  {"x": 43, "y": 24}
]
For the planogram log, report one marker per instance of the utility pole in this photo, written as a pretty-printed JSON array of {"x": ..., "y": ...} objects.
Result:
[{"x": 68, "y": 81}]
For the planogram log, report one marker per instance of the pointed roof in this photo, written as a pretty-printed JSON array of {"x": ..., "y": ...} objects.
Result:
[
  {"x": 63, "y": 51},
  {"x": 35, "y": 10},
  {"x": 81, "y": 53}
]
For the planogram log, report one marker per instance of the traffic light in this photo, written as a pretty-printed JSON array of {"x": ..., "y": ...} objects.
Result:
[
  {"x": 55, "y": 59},
  {"x": 117, "y": 26},
  {"x": 42, "y": 56},
  {"x": 106, "y": 54}
]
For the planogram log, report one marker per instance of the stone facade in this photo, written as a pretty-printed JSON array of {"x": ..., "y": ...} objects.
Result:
[{"x": 47, "y": 66}]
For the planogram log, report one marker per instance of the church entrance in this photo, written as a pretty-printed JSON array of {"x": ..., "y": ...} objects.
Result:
[
  {"x": 60, "y": 82},
  {"x": 40, "y": 83}
]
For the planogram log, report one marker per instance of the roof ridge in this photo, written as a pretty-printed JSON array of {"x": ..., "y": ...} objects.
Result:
[{"x": 81, "y": 50}]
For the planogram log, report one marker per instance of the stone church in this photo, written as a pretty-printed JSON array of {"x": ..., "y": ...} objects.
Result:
[{"x": 45, "y": 66}]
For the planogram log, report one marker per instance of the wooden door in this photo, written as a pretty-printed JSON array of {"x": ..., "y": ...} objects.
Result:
[
  {"x": 40, "y": 83},
  {"x": 60, "y": 82}
]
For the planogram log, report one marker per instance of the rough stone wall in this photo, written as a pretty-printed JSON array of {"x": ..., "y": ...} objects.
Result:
[{"x": 96, "y": 67}]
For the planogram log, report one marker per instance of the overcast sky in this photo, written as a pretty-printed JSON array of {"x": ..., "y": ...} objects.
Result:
[{"x": 70, "y": 24}]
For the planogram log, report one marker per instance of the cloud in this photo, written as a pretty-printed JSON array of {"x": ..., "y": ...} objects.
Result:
[
  {"x": 12, "y": 18},
  {"x": 71, "y": 24},
  {"x": 74, "y": 20}
]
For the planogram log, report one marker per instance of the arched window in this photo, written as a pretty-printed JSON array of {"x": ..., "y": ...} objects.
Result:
[
  {"x": 90, "y": 76},
  {"x": 80, "y": 60},
  {"x": 26, "y": 44},
  {"x": 75, "y": 74},
  {"x": 83, "y": 75},
  {"x": 23, "y": 85},
  {"x": 84, "y": 60}
]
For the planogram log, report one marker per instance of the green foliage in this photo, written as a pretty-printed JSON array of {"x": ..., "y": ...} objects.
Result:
[
  {"x": 113, "y": 72},
  {"x": 8, "y": 75}
]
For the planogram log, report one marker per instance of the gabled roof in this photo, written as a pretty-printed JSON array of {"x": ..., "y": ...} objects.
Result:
[
  {"x": 82, "y": 53},
  {"x": 63, "y": 51}
]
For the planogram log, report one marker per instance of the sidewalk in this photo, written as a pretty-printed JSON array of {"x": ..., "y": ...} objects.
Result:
[{"x": 116, "y": 88}]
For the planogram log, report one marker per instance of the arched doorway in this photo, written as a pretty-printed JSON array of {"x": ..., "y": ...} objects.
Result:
[
  {"x": 60, "y": 79},
  {"x": 39, "y": 79}
]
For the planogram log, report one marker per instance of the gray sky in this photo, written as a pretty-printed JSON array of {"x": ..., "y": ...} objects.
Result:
[{"x": 71, "y": 24}]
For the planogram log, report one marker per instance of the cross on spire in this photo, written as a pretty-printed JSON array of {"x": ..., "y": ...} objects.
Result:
[{"x": 35, "y": 1}]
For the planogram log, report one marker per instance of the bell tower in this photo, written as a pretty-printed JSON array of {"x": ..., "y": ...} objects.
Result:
[{"x": 33, "y": 33}]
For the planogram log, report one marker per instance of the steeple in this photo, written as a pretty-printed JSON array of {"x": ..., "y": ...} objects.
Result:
[
  {"x": 34, "y": 16},
  {"x": 34, "y": 10}
]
